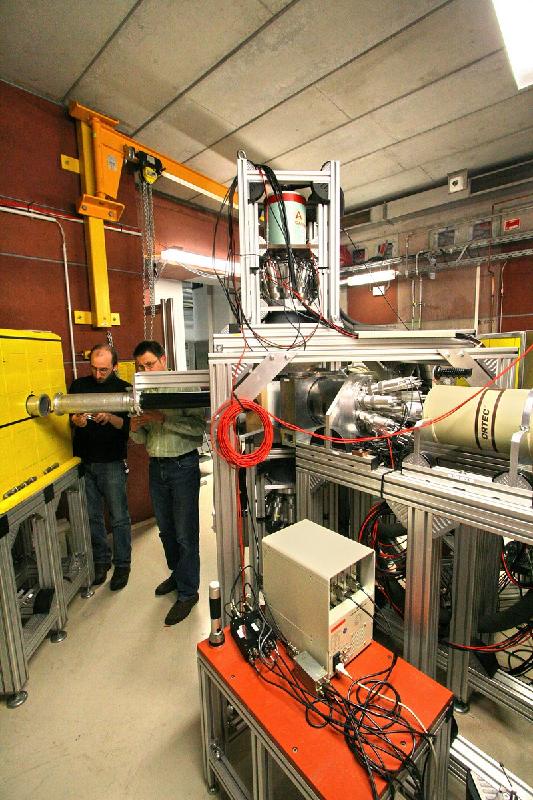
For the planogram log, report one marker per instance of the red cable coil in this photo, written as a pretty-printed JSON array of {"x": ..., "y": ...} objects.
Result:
[{"x": 227, "y": 417}]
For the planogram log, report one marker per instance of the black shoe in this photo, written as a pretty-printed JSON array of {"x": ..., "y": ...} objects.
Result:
[
  {"x": 180, "y": 610},
  {"x": 100, "y": 574},
  {"x": 119, "y": 578},
  {"x": 166, "y": 587}
]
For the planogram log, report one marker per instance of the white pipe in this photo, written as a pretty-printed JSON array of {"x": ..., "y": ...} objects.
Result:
[
  {"x": 420, "y": 302},
  {"x": 500, "y": 323},
  {"x": 476, "y": 301},
  {"x": 49, "y": 218},
  {"x": 117, "y": 228}
]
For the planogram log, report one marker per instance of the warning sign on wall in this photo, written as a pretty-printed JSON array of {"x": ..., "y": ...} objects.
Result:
[{"x": 511, "y": 224}]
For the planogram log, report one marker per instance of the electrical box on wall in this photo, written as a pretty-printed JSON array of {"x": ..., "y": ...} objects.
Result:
[
  {"x": 319, "y": 586},
  {"x": 461, "y": 233},
  {"x": 442, "y": 238},
  {"x": 458, "y": 181}
]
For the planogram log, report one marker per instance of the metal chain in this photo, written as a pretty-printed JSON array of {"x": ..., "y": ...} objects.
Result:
[{"x": 148, "y": 247}]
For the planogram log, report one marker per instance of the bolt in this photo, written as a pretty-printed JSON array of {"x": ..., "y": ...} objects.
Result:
[
  {"x": 294, "y": 749},
  {"x": 110, "y": 214},
  {"x": 84, "y": 208}
]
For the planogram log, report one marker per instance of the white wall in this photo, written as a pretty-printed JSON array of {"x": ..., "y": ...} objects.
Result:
[
  {"x": 204, "y": 309},
  {"x": 165, "y": 289}
]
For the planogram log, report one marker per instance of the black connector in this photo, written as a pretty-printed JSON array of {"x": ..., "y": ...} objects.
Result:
[
  {"x": 252, "y": 634},
  {"x": 336, "y": 660}
]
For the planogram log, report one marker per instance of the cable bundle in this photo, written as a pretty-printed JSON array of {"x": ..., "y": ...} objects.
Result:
[
  {"x": 225, "y": 433},
  {"x": 373, "y": 724},
  {"x": 389, "y": 541},
  {"x": 372, "y": 730}
]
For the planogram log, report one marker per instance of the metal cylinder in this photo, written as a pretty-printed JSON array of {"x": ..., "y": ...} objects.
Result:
[
  {"x": 486, "y": 423},
  {"x": 216, "y": 636},
  {"x": 322, "y": 393},
  {"x": 93, "y": 402},
  {"x": 295, "y": 213},
  {"x": 38, "y": 405}
]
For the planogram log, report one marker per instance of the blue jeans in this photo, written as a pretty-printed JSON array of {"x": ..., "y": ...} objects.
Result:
[
  {"x": 107, "y": 483},
  {"x": 175, "y": 492}
]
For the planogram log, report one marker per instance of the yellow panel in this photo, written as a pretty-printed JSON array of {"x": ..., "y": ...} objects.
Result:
[
  {"x": 31, "y": 362},
  {"x": 506, "y": 341},
  {"x": 70, "y": 163},
  {"x": 126, "y": 370},
  {"x": 83, "y": 317}
]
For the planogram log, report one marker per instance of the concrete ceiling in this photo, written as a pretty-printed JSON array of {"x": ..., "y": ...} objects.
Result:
[{"x": 402, "y": 92}]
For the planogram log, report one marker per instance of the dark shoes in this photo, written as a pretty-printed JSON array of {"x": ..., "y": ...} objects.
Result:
[
  {"x": 100, "y": 574},
  {"x": 166, "y": 587},
  {"x": 119, "y": 578},
  {"x": 180, "y": 610}
]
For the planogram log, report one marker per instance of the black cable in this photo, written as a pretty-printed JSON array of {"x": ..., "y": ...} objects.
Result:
[{"x": 368, "y": 740}]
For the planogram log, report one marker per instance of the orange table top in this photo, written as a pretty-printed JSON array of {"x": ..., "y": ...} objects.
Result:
[{"x": 321, "y": 755}]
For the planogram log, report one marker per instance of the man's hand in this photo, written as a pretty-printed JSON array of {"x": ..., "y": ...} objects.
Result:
[
  {"x": 145, "y": 418},
  {"x": 79, "y": 420},
  {"x": 105, "y": 417}
]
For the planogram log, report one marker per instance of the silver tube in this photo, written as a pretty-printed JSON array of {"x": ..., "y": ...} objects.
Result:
[
  {"x": 216, "y": 635},
  {"x": 122, "y": 402},
  {"x": 38, "y": 405},
  {"x": 393, "y": 385},
  {"x": 379, "y": 401}
]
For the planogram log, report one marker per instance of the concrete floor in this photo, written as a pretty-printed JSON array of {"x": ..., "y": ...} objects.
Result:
[{"x": 113, "y": 711}]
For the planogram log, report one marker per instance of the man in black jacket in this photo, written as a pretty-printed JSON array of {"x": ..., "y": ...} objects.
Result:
[{"x": 100, "y": 441}]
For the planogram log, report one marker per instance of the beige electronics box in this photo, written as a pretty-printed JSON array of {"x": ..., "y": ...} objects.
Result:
[{"x": 319, "y": 586}]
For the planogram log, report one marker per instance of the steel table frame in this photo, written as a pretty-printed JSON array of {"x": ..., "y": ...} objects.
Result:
[
  {"x": 219, "y": 772},
  {"x": 36, "y": 516}
]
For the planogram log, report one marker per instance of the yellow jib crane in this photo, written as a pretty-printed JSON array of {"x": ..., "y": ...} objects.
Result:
[{"x": 103, "y": 150}]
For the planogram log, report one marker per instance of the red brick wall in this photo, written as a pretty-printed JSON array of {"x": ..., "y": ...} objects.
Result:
[{"x": 33, "y": 135}]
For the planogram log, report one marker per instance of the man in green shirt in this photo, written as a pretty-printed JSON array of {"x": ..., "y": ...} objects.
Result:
[{"x": 171, "y": 438}]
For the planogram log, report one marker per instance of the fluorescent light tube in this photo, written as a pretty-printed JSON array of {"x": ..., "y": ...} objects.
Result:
[
  {"x": 174, "y": 255},
  {"x": 380, "y": 276},
  {"x": 515, "y": 18}
]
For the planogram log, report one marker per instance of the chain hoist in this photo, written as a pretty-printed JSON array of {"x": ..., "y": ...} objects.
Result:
[{"x": 149, "y": 169}]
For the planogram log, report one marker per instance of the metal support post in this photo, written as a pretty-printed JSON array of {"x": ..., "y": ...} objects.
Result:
[
  {"x": 261, "y": 767},
  {"x": 334, "y": 220},
  {"x": 13, "y": 662},
  {"x": 422, "y": 591},
  {"x": 80, "y": 533},
  {"x": 303, "y": 494},
  {"x": 437, "y": 773},
  {"x": 259, "y": 510},
  {"x": 207, "y": 732},
  {"x": 360, "y": 504},
  {"x": 56, "y": 567},
  {"x": 47, "y": 555},
  {"x": 225, "y": 489},
  {"x": 474, "y": 551}
]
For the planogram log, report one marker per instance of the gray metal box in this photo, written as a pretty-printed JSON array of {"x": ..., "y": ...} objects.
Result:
[{"x": 319, "y": 586}]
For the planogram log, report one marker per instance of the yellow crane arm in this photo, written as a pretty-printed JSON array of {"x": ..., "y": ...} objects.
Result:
[{"x": 103, "y": 151}]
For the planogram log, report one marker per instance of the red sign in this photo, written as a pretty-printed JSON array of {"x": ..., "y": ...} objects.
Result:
[{"x": 511, "y": 224}]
